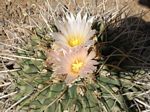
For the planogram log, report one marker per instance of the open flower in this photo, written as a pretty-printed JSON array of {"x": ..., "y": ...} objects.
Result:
[
  {"x": 74, "y": 63},
  {"x": 74, "y": 31}
]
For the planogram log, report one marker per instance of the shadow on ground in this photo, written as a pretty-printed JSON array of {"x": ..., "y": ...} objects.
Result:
[
  {"x": 145, "y": 3},
  {"x": 127, "y": 44}
]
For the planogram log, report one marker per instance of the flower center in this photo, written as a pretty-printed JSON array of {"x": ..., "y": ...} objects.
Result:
[
  {"x": 75, "y": 40},
  {"x": 76, "y": 66}
]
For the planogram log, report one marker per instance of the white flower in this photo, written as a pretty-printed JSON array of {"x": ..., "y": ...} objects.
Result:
[{"x": 74, "y": 31}]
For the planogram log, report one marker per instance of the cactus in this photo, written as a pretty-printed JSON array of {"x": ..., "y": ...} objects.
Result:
[{"x": 42, "y": 93}]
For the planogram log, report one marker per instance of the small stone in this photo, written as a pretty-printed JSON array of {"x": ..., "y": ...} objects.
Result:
[{"x": 40, "y": 86}]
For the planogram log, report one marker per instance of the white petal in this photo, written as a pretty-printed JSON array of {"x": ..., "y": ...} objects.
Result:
[
  {"x": 90, "y": 33},
  {"x": 61, "y": 27},
  {"x": 91, "y": 19},
  {"x": 78, "y": 18},
  {"x": 58, "y": 37},
  {"x": 85, "y": 17}
]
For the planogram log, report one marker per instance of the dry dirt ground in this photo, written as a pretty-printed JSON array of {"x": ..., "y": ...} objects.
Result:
[{"x": 133, "y": 6}]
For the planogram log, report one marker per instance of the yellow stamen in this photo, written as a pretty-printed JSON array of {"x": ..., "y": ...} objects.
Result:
[
  {"x": 76, "y": 66},
  {"x": 75, "y": 40}
]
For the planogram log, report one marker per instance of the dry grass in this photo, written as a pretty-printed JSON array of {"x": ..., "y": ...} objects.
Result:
[{"x": 17, "y": 27}]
